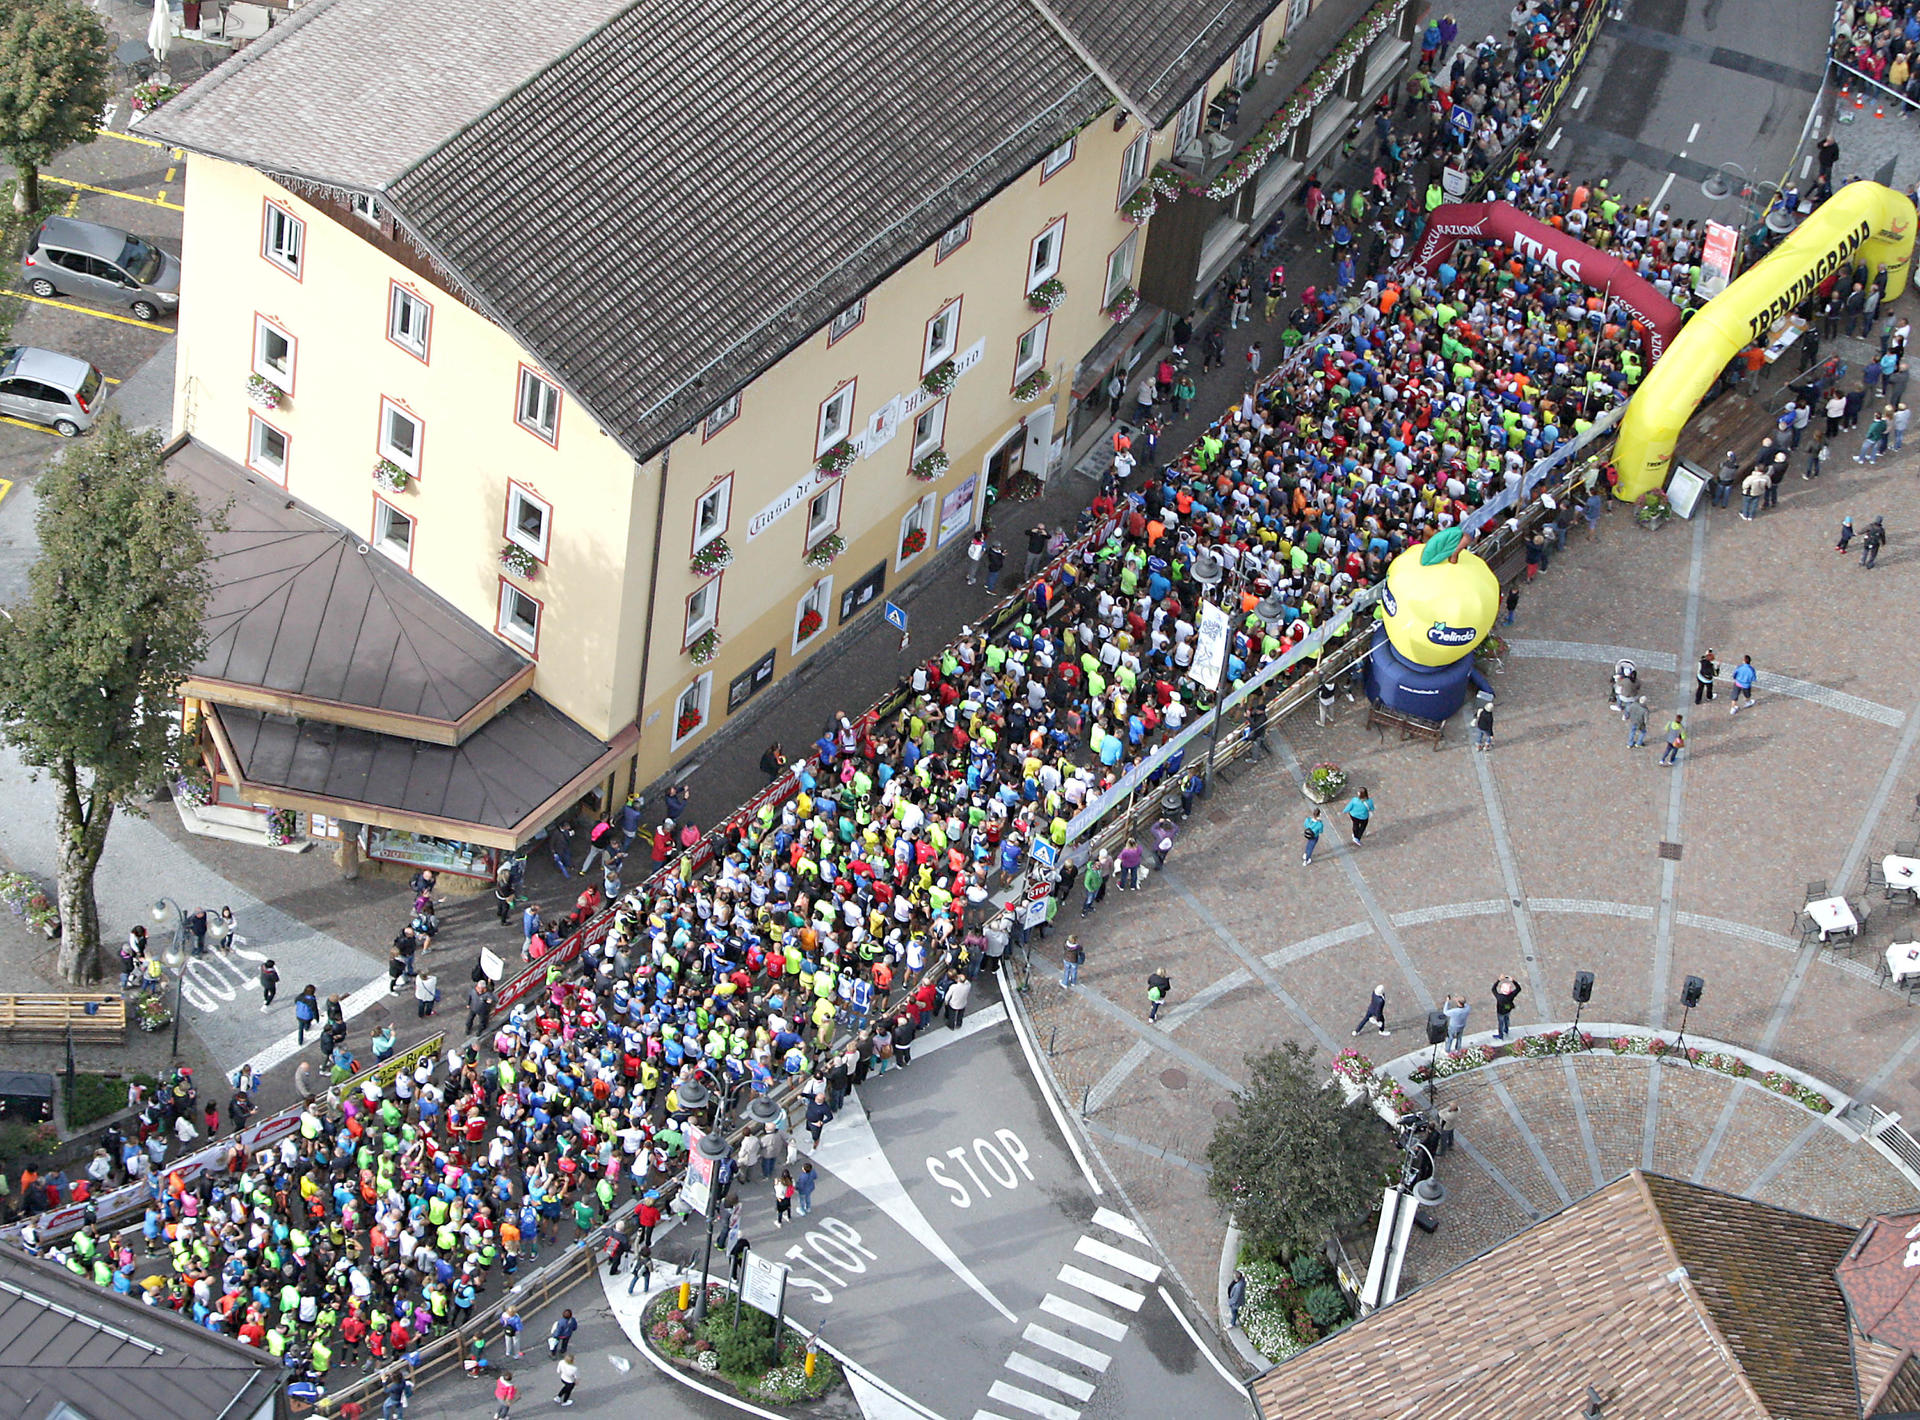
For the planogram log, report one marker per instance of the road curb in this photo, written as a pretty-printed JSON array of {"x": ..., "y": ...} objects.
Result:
[{"x": 1229, "y": 1264}]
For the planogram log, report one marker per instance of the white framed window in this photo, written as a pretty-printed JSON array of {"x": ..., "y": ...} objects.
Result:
[
  {"x": 519, "y": 617},
  {"x": 823, "y": 513},
  {"x": 267, "y": 449},
  {"x": 393, "y": 532},
  {"x": 1296, "y": 12},
  {"x": 916, "y": 531},
  {"x": 953, "y": 239},
  {"x": 538, "y": 407},
  {"x": 1030, "y": 351},
  {"x": 943, "y": 337},
  {"x": 1246, "y": 58},
  {"x": 723, "y": 414},
  {"x": 1120, "y": 266},
  {"x": 367, "y": 208},
  {"x": 836, "y": 419},
  {"x": 529, "y": 520},
  {"x": 810, "y": 615},
  {"x": 690, "y": 710},
  {"x": 1133, "y": 166},
  {"x": 929, "y": 428},
  {"x": 284, "y": 239},
  {"x": 1043, "y": 258},
  {"x": 409, "y": 321},
  {"x": 710, "y": 512},
  {"x": 1057, "y": 159},
  {"x": 273, "y": 353},
  {"x": 847, "y": 320},
  {"x": 1186, "y": 127},
  {"x": 401, "y": 435},
  {"x": 703, "y": 608}
]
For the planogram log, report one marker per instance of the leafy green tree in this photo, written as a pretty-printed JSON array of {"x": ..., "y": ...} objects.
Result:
[
  {"x": 1294, "y": 1162},
  {"x": 54, "y": 70},
  {"x": 92, "y": 661}
]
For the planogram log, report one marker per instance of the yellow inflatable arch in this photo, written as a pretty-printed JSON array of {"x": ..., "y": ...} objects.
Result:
[{"x": 1863, "y": 222}]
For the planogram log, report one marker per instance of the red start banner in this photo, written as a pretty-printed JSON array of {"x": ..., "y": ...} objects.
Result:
[{"x": 1656, "y": 318}]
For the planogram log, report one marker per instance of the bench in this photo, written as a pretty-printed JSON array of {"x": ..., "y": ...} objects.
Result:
[
  {"x": 1411, "y": 727},
  {"x": 47, "y": 1016}
]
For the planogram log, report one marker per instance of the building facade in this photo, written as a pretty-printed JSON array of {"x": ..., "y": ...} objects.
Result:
[{"x": 661, "y": 422}]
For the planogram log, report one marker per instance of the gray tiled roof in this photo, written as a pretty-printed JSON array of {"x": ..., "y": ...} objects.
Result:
[
  {"x": 1158, "y": 51},
  {"x": 297, "y": 608}
]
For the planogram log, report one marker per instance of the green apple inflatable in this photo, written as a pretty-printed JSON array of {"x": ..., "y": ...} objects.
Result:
[{"x": 1440, "y": 602}]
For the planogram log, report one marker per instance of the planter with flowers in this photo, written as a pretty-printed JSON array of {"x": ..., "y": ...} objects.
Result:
[
  {"x": 1023, "y": 487},
  {"x": 1324, "y": 782},
  {"x": 264, "y": 392},
  {"x": 688, "y": 722},
  {"x": 192, "y": 789},
  {"x": 517, "y": 560},
  {"x": 705, "y": 646},
  {"x": 822, "y": 553},
  {"x": 1033, "y": 386},
  {"x": 712, "y": 557},
  {"x": 1047, "y": 296},
  {"x": 395, "y": 479},
  {"x": 149, "y": 96},
  {"x": 836, "y": 460},
  {"x": 25, "y": 900},
  {"x": 931, "y": 467},
  {"x": 152, "y": 1013},
  {"x": 1121, "y": 308},
  {"x": 283, "y": 826},
  {"x": 914, "y": 542},
  {"x": 810, "y": 623},
  {"x": 940, "y": 378}
]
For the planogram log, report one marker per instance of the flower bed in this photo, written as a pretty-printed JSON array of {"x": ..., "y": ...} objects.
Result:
[
  {"x": 932, "y": 466},
  {"x": 24, "y": 899},
  {"x": 1290, "y": 1306},
  {"x": 743, "y": 1359},
  {"x": 151, "y": 1012},
  {"x": 1359, "y": 1073},
  {"x": 1325, "y": 781},
  {"x": 712, "y": 557}
]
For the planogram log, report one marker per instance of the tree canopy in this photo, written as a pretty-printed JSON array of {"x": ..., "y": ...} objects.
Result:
[
  {"x": 1295, "y": 1162},
  {"x": 54, "y": 70},
  {"x": 92, "y": 661}
]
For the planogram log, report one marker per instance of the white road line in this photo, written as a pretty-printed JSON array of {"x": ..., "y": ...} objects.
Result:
[
  {"x": 1116, "y": 1259},
  {"x": 987, "y": 1415},
  {"x": 1661, "y": 195},
  {"x": 289, "y": 1045},
  {"x": 1199, "y": 1345},
  {"x": 1033, "y": 1404},
  {"x": 1580, "y": 97},
  {"x": 1806, "y": 166},
  {"x": 1100, "y": 1287},
  {"x": 1695, "y": 133},
  {"x": 1065, "y": 1346},
  {"x": 1098, "y": 1323},
  {"x": 1118, "y": 1223},
  {"x": 1033, "y": 1370},
  {"x": 1067, "y": 1131},
  {"x": 1554, "y": 141},
  {"x": 976, "y": 1022}
]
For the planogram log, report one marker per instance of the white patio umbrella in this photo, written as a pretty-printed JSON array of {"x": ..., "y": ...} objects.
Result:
[{"x": 160, "y": 31}]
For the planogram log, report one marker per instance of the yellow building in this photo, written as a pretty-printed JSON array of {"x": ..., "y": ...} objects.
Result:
[{"x": 656, "y": 347}]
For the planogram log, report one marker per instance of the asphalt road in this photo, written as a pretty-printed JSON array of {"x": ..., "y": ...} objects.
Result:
[{"x": 1678, "y": 87}]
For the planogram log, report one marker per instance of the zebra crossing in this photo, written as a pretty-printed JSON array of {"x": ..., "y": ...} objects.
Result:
[{"x": 1037, "y": 1383}]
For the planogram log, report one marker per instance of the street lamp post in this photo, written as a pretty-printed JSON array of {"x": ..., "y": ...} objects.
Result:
[
  {"x": 1730, "y": 180},
  {"x": 1207, "y": 571},
  {"x": 174, "y": 956}
]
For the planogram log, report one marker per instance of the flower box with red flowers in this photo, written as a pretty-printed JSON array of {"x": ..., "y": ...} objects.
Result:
[
  {"x": 913, "y": 542},
  {"x": 810, "y": 623}
]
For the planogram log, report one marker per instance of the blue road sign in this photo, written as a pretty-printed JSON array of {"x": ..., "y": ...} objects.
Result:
[
  {"x": 1045, "y": 854},
  {"x": 896, "y": 616}
]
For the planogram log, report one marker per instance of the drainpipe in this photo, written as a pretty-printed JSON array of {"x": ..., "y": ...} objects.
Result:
[{"x": 653, "y": 590}]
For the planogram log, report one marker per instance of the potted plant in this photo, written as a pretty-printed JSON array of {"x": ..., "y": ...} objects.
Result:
[
  {"x": 282, "y": 826},
  {"x": 822, "y": 553},
  {"x": 836, "y": 460},
  {"x": 915, "y": 541},
  {"x": 517, "y": 560},
  {"x": 151, "y": 1012},
  {"x": 1048, "y": 295},
  {"x": 1033, "y": 386},
  {"x": 940, "y": 378},
  {"x": 395, "y": 479},
  {"x": 192, "y": 788},
  {"x": 931, "y": 467},
  {"x": 149, "y": 96},
  {"x": 1023, "y": 487},
  {"x": 1121, "y": 307},
  {"x": 712, "y": 557},
  {"x": 264, "y": 392},
  {"x": 810, "y": 623},
  {"x": 1324, "y": 782}
]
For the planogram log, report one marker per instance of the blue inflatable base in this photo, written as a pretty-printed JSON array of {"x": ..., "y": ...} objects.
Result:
[{"x": 1431, "y": 692}]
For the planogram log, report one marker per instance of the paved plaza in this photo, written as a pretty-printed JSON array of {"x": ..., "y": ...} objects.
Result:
[{"x": 1543, "y": 858}]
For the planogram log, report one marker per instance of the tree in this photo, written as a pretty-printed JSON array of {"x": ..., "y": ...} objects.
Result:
[
  {"x": 53, "y": 84},
  {"x": 1295, "y": 1162},
  {"x": 92, "y": 661}
]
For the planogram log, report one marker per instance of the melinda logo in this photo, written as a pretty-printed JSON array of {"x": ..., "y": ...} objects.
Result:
[
  {"x": 1442, "y": 634},
  {"x": 1386, "y": 600}
]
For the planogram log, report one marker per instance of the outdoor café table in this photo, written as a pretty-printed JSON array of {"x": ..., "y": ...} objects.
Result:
[
  {"x": 1903, "y": 959},
  {"x": 1902, "y": 872},
  {"x": 1833, "y": 917}
]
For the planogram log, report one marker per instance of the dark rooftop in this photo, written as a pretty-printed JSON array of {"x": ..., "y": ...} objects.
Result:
[{"x": 297, "y": 609}]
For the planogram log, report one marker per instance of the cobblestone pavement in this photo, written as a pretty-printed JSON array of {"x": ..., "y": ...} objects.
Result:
[{"x": 1541, "y": 858}]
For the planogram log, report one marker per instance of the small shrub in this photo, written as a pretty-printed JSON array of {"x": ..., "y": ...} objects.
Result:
[
  {"x": 1326, "y": 1306},
  {"x": 1310, "y": 1269},
  {"x": 747, "y": 1353}
]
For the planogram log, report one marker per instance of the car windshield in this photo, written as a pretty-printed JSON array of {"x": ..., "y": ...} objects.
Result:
[
  {"x": 89, "y": 387},
  {"x": 140, "y": 261}
]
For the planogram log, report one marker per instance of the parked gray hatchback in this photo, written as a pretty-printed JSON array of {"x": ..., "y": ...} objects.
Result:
[
  {"x": 101, "y": 264},
  {"x": 46, "y": 387}
]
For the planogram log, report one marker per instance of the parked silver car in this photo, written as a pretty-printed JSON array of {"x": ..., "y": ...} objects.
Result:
[
  {"x": 43, "y": 387},
  {"x": 102, "y": 264}
]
